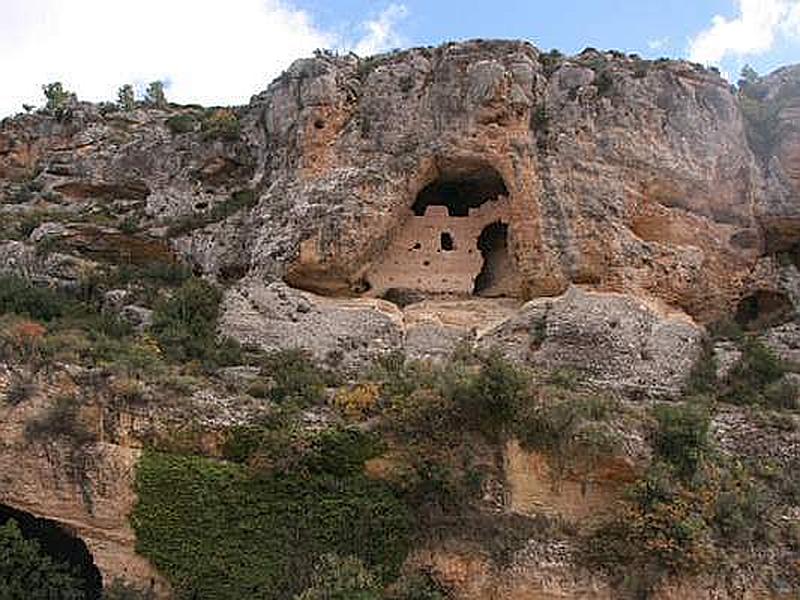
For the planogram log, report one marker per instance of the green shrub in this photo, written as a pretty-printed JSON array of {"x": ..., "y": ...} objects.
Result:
[
  {"x": 568, "y": 426},
  {"x": 258, "y": 389},
  {"x": 741, "y": 509},
  {"x": 341, "y": 451},
  {"x": 749, "y": 378},
  {"x": 422, "y": 415},
  {"x": 660, "y": 530},
  {"x": 19, "y": 296},
  {"x": 295, "y": 376},
  {"x": 77, "y": 308},
  {"x": 682, "y": 436},
  {"x": 157, "y": 273},
  {"x": 182, "y": 123},
  {"x": 781, "y": 395},
  {"x": 217, "y": 532},
  {"x": 540, "y": 118},
  {"x": 27, "y": 572},
  {"x": 19, "y": 390},
  {"x": 336, "y": 578},
  {"x": 488, "y": 400},
  {"x": 432, "y": 487},
  {"x": 604, "y": 83},
  {"x": 185, "y": 323},
  {"x": 57, "y": 99},
  {"x": 126, "y": 100},
  {"x": 547, "y": 426},
  {"x": 221, "y": 124},
  {"x": 280, "y": 443},
  {"x": 726, "y": 329},
  {"x": 703, "y": 377},
  {"x": 551, "y": 61},
  {"x": 154, "y": 95}
]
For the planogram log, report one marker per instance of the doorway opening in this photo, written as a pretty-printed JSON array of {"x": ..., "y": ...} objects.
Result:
[{"x": 493, "y": 279}]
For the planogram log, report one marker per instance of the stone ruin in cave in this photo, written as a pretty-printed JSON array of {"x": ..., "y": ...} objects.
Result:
[{"x": 455, "y": 242}]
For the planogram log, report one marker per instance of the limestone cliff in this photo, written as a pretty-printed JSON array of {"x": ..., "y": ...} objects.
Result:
[{"x": 593, "y": 214}]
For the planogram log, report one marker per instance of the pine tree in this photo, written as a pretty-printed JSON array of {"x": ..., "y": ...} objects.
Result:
[{"x": 125, "y": 97}]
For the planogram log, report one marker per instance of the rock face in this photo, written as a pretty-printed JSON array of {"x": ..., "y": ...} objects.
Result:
[
  {"x": 776, "y": 139},
  {"x": 589, "y": 213},
  {"x": 613, "y": 341},
  {"x": 615, "y": 173},
  {"x": 624, "y": 176},
  {"x": 619, "y": 173},
  {"x": 343, "y": 334},
  {"x": 88, "y": 491}
]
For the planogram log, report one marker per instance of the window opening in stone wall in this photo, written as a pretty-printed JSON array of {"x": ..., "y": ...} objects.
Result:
[{"x": 446, "y": 242}]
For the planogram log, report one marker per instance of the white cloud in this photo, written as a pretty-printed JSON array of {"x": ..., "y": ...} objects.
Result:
[
  {"x": 792, "y": 25},
  {"x": 658, "y": 44},
  {"x": 754, "y": 30},
  {"x": 210, "y": 51},
  {"x": 381, "y": 32}
]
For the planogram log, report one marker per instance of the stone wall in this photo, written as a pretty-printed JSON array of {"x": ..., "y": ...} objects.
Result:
[{"x": 416, "y": 258}]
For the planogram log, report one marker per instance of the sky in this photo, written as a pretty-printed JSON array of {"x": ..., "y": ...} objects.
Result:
[{"x": 219, "y": 52}]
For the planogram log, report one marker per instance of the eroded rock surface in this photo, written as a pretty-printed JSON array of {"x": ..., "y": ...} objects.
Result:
[
  {"x": 621, "y": 174},
  {"x": 626, "y": 203},
  {"x": 613, "y": 341}
]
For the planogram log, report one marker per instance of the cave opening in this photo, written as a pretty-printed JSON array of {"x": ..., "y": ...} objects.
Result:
[
  {"x": 764, "y": 309},
  {"x": 493, "y": 246},
  {"x": 461, "y": 189},
  {"x": 60, "y": 545}
]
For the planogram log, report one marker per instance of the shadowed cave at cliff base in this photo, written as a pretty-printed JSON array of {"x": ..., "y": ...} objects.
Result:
[{"x": 60, "y": 545}]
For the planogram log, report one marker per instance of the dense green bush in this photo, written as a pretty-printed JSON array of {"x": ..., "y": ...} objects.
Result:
[
  {"x": 19, "y": 296},
  {"x": 682, "y": 436},
  {"x": 61, "y": 309},
  {"x": 487, "y": 400},
  {"x": 182, "y": 123},
  {"x": 295, "y": 377},
  {"x": 218, "y": 532},
  {"x": 757, "y": 369},
  {"x": 126, "y": 99},
  {"x": 185, "y": 326},
  {"x": 741, "y": 508},
  {"x": 57, "y": 99},
  {"x": 661, "y": 530},
  {"x": 336, "y": 578},
  {"x": 551, "y": 61},
  {"x": 221, "y": 123},
  {"x": 26, "y": 572},
  {"x": 480, "y": 394},
  {"x": 281, "y": 444}
]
